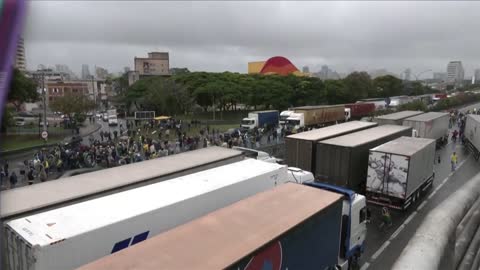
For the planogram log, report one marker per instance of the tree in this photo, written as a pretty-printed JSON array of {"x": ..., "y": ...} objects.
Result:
[
  {"x": 22, "y": 89},
  {"x": 388, "y": 86},
  {"x": 70, "y": 104},
  {"x": 359, "y": 85}
]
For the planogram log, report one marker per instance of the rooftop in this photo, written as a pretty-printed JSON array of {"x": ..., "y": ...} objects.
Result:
[
  {"x": 399, "y": 115},
  {"x": 427, "y": 116},
  {"x": 328, "y": 132},
  {"x": 406, "y": 146}
]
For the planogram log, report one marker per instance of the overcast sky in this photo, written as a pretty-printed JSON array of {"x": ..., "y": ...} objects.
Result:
[{"x": 224, "y": 36}]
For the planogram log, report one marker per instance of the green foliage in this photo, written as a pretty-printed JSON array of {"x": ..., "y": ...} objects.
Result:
[
  {"x": 416, "y": 105},
  {"x": 359, "y": 85},
  {"x": 387, "y": 86},
  {"x": 22, "y": 89},
  {"x": 73, "y": 104},
  {"x": 7, "y": 119},
  {"x": 455, "y": 101}
]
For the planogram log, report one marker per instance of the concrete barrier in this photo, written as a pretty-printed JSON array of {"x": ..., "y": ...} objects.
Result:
[{"x": 432, "y": 247}]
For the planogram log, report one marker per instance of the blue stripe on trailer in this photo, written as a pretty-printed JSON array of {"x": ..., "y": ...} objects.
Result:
[
  {"x": 121, "y": 245},
  {"x": 139, "y": 238}
]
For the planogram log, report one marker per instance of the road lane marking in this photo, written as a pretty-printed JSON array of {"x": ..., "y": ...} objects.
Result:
[
  {"x": 365, "y": 266},
  {"x": 422, "y": 205},
  {"x": 380, "y": 250},
  {"x": 397, "y": 232},
  {"x": 412, "y": 215},
  {"x": 431, "y": 195}
]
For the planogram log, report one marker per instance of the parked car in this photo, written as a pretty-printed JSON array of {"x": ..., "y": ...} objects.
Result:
[
  {"x": 41, "y": 124},
  {"x": 105, "y": 117},
  {"x": 19, "y": 122}
]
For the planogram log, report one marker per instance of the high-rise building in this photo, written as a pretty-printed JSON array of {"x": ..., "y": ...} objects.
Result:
[
  {"x": 408, "y": 73},
  {"x": 477, "y": 75},
  {"x": 20, "y": 62},
  {"x": 101, "y": 73},
  {"x": 157, "y": 63},
  {"x": 455, "y": 73},
  {"x": 85, "y": 72}
]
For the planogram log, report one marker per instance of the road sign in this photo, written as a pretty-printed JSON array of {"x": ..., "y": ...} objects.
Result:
[{"x": 44, "y": 134}]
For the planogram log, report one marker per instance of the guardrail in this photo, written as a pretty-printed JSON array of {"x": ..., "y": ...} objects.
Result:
[{"x": 449, "y": 237}]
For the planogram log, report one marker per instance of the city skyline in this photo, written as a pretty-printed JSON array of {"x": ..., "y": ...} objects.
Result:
[{"x": 347, "y": 37}]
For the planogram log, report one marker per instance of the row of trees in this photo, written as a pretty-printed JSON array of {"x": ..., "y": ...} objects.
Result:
[{"x": 225, "y": 91}]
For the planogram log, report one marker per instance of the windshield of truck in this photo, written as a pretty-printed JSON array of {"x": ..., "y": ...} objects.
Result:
[
  {"x": 248, "y": 122},
  {"x": 112, "y": 117},
  {"x": 284, "y": 117},
  {"x": 294, "y": 122}
]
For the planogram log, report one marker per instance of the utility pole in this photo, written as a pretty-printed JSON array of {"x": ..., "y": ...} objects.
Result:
[
  {"x": 94, "y": 96},
  {"x": 44, "y": 92}
]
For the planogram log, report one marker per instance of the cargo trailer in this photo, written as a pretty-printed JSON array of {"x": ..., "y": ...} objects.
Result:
[
  {"x": 315, "y": 116},
  {"x": 301, "y": 147},
  {"x": 261, "y": 119},
  {"x": 27, "y": 200},
  {"x": 400, "y": 172},
  {"x": 356, "y": 111},
  {"x": 431, "y": 125},
  {"x": 343, "y": 161},
  {"x": 395, "y": 118},
  {"x": 68, "y": 237},
  {"x": 472, "y": 134},
  {"x": 274, "y": 234}
]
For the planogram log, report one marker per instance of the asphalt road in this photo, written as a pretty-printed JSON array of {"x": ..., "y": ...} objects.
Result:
[{"x": 384, "y": 247}]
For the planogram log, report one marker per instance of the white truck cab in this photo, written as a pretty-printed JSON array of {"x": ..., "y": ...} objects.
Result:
[
  {"x": 283, "y": 117},
  {"x": 249, "y": 123},
  {"x": 354, "y": 224},
  {"x": 348, "y": 114},
  {"x": 295, "y": 121},
  {"x": 298, "y": 175}
]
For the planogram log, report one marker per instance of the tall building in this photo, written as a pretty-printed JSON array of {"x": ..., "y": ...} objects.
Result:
[
  {"x": 85, "y": 72},
  {"x": 157, "y": 63},
  {"x": 455, "y": 73},
  {"x": 101, "y": 73},
  {"x": 477, "y": 75},
  {"x": 20, "y": 62},
  {"x": 408, "y": 73},
  {"x": 65, "y": 69}
]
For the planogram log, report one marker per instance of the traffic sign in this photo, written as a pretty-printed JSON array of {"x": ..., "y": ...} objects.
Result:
[{"x": 44, "y": 134}]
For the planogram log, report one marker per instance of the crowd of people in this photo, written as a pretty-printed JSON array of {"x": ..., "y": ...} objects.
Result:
[{"x": 137, "y": 141}]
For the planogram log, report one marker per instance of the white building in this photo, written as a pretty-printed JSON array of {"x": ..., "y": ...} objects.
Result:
[
  {"x": 455, "y": 73},
  {"x": 20, "y": 62}
]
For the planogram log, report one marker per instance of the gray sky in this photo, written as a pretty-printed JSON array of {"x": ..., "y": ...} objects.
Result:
[{"x": 218, "y": 36}]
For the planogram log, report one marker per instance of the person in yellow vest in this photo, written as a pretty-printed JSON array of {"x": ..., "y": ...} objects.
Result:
[{"x": 454, "y": 160}]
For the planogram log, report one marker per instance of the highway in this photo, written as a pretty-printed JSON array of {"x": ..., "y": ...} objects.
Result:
[{"x": 384, "y": 247}]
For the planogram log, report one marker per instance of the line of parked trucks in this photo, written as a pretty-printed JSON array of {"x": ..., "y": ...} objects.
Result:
[{"x": 333, "y": 172}]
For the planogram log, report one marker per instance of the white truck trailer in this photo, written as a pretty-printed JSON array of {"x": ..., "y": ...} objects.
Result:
[
  {"x": 400, "y": 172},
  {"x": 431, "y": 125},
  {"x": 472, "y": 134},
  {"x": 68, "y": 237}
]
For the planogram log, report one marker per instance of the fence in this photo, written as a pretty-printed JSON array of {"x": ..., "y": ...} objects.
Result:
[{"x": 449, "y": 237}]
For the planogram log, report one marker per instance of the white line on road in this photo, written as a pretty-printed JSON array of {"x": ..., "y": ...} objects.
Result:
[
  {"x": 365, "y": 266},
  {"x": 431, "y": 195},
  {"x": 422, "y": 205},
  {"x": 380, "y": 250},
  {"x": 412, "y": 215},
  {"x": 397, "y": 232}
]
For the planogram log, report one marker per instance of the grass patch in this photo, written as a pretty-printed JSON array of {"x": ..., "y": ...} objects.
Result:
[{"x": 12, "y": 142}]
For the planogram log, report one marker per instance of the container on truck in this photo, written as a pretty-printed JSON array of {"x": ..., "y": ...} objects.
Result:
[
  {"x": 240, "y": 236},
  {"x": 343, "y": 161},
  {"x": 260, "y": 119},
  {"x": 28, "y": 200},
  {"x": 355, "y": 111},
  {"x": 68, "y": 237},
  {"x": 380, "y": 103},
  {"x": 283, "y": 117},
  {"x": 112, "y": 117},
  {"x": 400, "y": 172},
  {"x": 472, "y": 134},
  {"x": 301, "y": 148},
  {"x": 431, "y": 125},
  {"x": 395, "y": 118},
  {"x": 315, "y": 117}
]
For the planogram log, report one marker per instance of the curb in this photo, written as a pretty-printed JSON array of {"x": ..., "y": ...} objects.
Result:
[{"x": 26, "y": 149}]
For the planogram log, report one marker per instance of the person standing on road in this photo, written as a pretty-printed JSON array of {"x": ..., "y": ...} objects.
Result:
[
  {"x": 2, "y": 175},
  {"x": 30, "y": 176},
  {"x": 13, "y": 180},
  {"x": 5, "y": 168},
  {"x": 101, "y": 135},
  {"x": 454, "y": 160}
]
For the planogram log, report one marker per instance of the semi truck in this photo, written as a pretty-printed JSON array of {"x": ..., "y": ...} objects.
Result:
[
  {"x": 283, "y": 117},
  {"x": 472, "y": 134},
  {"x": 112, "y": 117},
  {"x": 314, "y": 117},
  {"x": 301, "y": 148},
  {"x": 343, "y": 160},
  {"x": 355, "y": 111},
  {"x": 260, "y": 119},
  {"x": 326, "y": 232},
  {"x": 395, "y": 118},
  {"x": 400, "y": 172},
  {"x": 68, "y": 237},
  {"x": 431, "y": 125}
]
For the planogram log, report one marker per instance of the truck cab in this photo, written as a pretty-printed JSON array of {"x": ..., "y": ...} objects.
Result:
[
  {"x": 354, "y": 224},
  {"x": 283, "y": 117},
  {"x": 295, "y": 122},
  {"x": 249, "y": 123},
  {"x": 348, "y": 114}
]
